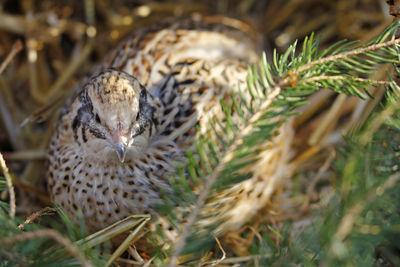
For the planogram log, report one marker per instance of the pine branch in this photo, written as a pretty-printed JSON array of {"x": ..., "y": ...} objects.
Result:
[
  {"x": 275, "y": 90},
  {"x": 26, "y": 238},
  {"x": 358, "y": 51},
  {"x": 212, "y": 177},
  {"x": 348, "y": 220},
  {"x": 340, "y": 77},
  {"x": 359, "y": 224},
  {"x": 55, "y": 235}
]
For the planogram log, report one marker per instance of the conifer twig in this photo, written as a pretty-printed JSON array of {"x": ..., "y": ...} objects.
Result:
[
  {"x": 347, "y": 223},
  {"x": 379, "y": 120},
  {"x": 9, "y": 185},
  {"x": 347, "y": 54},
  {"x": 341, "y": 77},
  {"x": 212, "y": 177},
  {"x": 70, "y": 247},
  {"x": 286, "y": 72}
]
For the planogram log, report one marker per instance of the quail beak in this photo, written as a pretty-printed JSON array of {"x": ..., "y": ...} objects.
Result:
[{"x": 120, "y": 148}]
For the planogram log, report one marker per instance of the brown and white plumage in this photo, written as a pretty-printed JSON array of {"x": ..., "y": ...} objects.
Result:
[{"x": 115, "y": 145}]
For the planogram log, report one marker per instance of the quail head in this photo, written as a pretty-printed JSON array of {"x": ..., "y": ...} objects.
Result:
[{"x": 115, "y": 116}]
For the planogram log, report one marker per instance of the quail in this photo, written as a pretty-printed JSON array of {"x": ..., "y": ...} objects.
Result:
[{"x": 116, "y": 141}]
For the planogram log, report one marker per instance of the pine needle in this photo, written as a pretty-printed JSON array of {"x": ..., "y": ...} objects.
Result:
[
  {"x": 53, "y": 234},
  {"x": 211, "y": 179}
]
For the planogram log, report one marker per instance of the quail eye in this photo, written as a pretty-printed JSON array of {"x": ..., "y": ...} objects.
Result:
[{"x": 98, "y": 118}]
